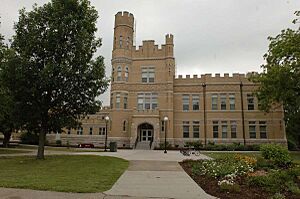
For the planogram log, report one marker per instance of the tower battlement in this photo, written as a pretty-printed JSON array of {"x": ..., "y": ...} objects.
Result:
[
  {"x": 217, "y": 77},
  {"x": 124, "y": 18}
]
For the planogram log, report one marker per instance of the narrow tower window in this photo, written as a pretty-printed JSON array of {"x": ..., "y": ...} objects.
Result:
[{"x": 121, "y": 41}]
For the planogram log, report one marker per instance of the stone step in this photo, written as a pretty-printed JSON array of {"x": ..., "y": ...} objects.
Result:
[{"x": 143, "y": 146}]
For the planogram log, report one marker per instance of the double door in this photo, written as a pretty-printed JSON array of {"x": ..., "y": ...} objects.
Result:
[{"x": 146, "y": 135}]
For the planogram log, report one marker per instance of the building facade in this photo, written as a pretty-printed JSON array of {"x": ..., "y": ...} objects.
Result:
[{"x": 145, "y": 92}]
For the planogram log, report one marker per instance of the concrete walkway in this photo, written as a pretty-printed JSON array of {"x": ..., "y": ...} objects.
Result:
[{"x": 157, "y": 179}]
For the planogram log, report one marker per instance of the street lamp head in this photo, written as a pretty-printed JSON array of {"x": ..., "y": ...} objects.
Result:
[
  {"x": 106, "y": 118},
  {"x": 166, "y": 118}
]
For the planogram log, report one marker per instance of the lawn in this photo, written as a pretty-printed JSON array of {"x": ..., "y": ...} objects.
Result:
[
  {"x": 51, "y": 148},
  {"x": 83, "y": 174},
  {"x": 11, "y": 151}
]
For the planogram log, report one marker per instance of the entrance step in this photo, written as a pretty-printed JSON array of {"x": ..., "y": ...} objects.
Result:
[{"x": 143, "y": 146}]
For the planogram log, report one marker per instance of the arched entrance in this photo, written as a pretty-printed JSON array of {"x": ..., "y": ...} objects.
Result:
[{"x": 145, "y": 132}]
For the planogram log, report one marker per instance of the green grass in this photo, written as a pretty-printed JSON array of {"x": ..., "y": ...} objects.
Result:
[
  {"x": 11, "y": 151},
  {"x": 83, "y": 174},
  {"x": 64, "y": 149}
]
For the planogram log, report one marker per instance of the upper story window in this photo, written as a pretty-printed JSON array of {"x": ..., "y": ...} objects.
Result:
[
  {"x": 119, "y": 73},
  {"x": 223, "y": 101},
  {"x": 232, "y": 101},
  {"x": 148, "y": 75},
  {"x": 91, "y": 130},
  {"x": 185, "y": 102},
  {"x": 118, "y": 100},
  {"x": 195, "y": 101},
  {"x": 126, "y": 73},
  {"x": 250, "y": 100},
  {"x": 214, "y": 102},
  {"x": 121, "y": 41},
  {"x": 147, "y": 101},
  {"x": 127, "y": 42},
  {"x": 125, "y": 100}
]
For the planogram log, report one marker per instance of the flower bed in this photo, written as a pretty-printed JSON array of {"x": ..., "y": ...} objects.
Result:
[{"x": 242, "y": 176}]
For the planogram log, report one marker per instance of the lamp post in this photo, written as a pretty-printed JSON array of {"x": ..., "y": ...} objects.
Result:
[
  {"x": 166, "y": 127},
  {"x": 106, "y": 121}
]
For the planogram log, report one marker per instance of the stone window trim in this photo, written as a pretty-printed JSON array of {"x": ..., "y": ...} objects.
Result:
[
  {"x": 147, "y": 101},
  {"x": 196, "y": 129},
  {"x": 214, "y": 101},
  {"x": 186, "y": 129},
  {"x": 224, "y": 129},
  {"x": 263, "y": 129},
  {"x": 223, "y": 100},
  {"x": 250, "y": 102},
  {"x": 91, "y": 130},
  {"x": 233, "y": 128},
  {"x": 185, "y": 102},
  {"x": 232, "y": 101},
  {"x": 196, "y": 102},
  {"x": 215, "y": 129},
  {"x": 147, "y": 74},
  {"x": 252, "y": 129}
]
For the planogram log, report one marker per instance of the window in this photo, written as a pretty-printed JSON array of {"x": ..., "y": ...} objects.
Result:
[
  {"x": 124, "y": 125},
  {"x": 125, "y": 100},
  {"x": 224, "y": 129},
  {"x": 232, "y": 101},
  {"x": 195, "y": 101},
  {"x": 250, "y": 100},
  {"x": 147, "y": 101},
  {"x": 263, "y": 129},
  {"x": 186, "y": 129},
  {"x": 118, "y": 100},
  {"x": 233, "y": 129},
  {"x": 121, "y": 41},
  {"x": 126, "y": 73},
  {"x": 91, "y": 130},
  {"x": 147, "y": 75},
  {"x": 79, "y": 131},
  {"x": 119, "y": 73},
  {"x": 102, "y": 130},
  {"x": 252, "y": 129},
  {"x": 162, "y": 125},
  {"x": 223, "y": 101},
  {"x": 215, "y": 129},
  {"x": 214, "y": 102},
  {"x": 111, "y": 100},
  {"x": 185, "y": 102},
  {"x": 69, "y": 131},
  {"x": 196, "y": 129},
  {"x": 127, "y": 42}
]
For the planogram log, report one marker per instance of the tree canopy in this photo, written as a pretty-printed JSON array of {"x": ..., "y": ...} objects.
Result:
[
  {"x": 280, "y": 81},
  {"x": 57, "y": 79}
]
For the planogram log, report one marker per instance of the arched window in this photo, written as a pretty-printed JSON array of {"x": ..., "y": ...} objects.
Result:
[
  {"x": 124, "y": 125},
  {"x": 126, "y": 73},
  {"x": 119, "y": 77},
  {"x": 127, "y": 42},
  {"x": 121, "y": 41}
]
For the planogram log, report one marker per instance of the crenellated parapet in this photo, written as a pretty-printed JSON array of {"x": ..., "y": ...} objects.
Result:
[
  {"x": 151, "y": 50},
  {"x": 215, "y": 78},
  {"x": 124, "y": 18}
]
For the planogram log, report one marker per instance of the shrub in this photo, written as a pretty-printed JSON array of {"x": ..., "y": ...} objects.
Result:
[
  {"x": 162, "y": 145},
  {"x": 29, "y": 138},
  {"x": 230, "y": 187},
  {"x": 278, "y": 196},
  {"x": 293, "y": 187},
  {"x": 58, "y": 142},
  {"x": 196, "y": 144},
  {"x": 264, "y": 164},
  {"x": 276, "y": 153}
]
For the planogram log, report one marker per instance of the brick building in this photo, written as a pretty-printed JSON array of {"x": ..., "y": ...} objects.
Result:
[{"x": 145, "y": 90}]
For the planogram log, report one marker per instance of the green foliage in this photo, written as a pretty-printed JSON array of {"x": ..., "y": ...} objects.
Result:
[
  {"x": 277, "y": 153},
  {"x": 293, "y": 187},
  {"x": 279, "y": 83},
  {"x": 57, "y": 81},
  {"x": 29, "y": 138},
  {"x": 230, "y": 188},
  {"x": 275, "y": 181},
  {"x": 262, "y": 163},
  {"x": 196, "y": 144},
  {"x": 278, "y": 196},
  {"x": 162, "y": 145},
  {"x": 58, "y": 142}
]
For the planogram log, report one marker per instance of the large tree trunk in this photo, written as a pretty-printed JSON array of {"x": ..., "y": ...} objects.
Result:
[
  {"x": 42, "y": 140},
  {"x": 6, "y": 139}
]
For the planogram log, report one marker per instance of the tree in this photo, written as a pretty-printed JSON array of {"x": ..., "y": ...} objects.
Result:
[
  {"x": 280, "y": 80},
  {"x": 57, "y": 80},
  {"x": 7, "y": 124}
]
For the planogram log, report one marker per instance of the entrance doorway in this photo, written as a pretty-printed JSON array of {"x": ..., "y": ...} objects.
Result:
[{"x": 145, "y": 132}]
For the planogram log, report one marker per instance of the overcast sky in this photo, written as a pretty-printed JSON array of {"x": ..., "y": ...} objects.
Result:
[{"x": 210, "y": 36}]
